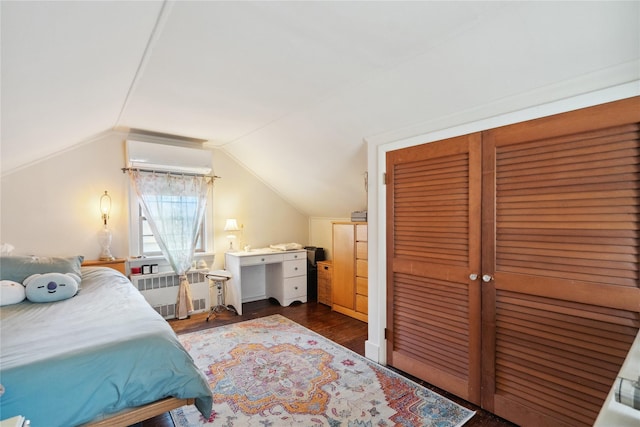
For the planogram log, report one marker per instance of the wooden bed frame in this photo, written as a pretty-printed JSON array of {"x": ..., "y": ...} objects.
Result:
[{"x": 131, "y": 416}]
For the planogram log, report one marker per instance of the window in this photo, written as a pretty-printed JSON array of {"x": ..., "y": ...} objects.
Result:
[
  {"x": 149, "y": 246},
  {"x": 141, "y": 240}
]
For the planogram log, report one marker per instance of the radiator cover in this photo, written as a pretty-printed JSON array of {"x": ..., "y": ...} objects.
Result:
[{"x": 161, "y": 291}]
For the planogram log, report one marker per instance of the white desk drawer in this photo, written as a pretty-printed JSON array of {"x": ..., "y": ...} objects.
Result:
[
  {"x": 294, "y": 268},
  {"x": 295, "y": 287},
  {"x": 292, "y": 256},
  {"x": 260, "y": 259}
]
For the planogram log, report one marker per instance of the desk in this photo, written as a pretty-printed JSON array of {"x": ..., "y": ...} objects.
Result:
[{"x": 266, "y": 273}]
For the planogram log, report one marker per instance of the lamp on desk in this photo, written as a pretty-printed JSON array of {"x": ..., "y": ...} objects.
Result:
[{"x": 231, "y": 227}]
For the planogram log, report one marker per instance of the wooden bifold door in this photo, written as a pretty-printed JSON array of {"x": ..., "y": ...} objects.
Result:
[{"x": 513, "y": 262}]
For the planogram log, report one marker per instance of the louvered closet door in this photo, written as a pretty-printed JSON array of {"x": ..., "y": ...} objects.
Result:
[
  {"x": 562, "y": 309},
  {"x": 433, "y": 237}
]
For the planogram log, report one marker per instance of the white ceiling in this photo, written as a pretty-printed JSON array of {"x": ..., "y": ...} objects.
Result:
[{"x": 292, "y": 89}]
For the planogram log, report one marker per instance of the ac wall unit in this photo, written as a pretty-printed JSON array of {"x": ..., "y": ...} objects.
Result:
[{"x": 167, "y": 158}]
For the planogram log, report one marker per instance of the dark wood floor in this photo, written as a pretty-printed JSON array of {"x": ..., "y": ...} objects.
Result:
[{"x": 344, "y": 330}]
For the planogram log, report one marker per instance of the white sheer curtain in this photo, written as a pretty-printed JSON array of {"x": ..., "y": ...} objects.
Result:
[{"x": 174, "y": 206}]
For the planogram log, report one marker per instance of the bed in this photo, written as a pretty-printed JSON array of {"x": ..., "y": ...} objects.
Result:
[{"x": 102, "y": 357}]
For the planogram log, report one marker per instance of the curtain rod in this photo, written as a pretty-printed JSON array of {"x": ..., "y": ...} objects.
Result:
[{"x": 170, "y": 172}]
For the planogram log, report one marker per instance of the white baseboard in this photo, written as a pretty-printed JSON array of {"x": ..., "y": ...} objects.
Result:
[{"x": 372, "y": 351}]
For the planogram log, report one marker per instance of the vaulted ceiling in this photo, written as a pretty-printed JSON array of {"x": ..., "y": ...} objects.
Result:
[{"x": 292, "y": 90}]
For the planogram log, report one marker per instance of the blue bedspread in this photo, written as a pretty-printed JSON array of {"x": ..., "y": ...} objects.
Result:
[{"x": 66, "y": 363}]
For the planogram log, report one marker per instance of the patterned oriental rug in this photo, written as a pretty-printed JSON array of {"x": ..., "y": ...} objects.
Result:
[{"x": 272, "y": 372}]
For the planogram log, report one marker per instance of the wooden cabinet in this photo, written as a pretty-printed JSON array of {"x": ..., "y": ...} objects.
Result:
[
  {"x": 116, "y": 264},
  {"x": 349, "y": 284},
  {"x": 325, "y": 270}
]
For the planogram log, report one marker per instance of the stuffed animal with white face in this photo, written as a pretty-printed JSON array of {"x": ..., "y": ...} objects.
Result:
[
  {"x": 51, "y": 287},
  {"x": 11, "y": 292}
]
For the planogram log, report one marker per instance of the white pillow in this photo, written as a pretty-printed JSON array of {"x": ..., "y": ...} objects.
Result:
[{"x": 11, "y": 292}]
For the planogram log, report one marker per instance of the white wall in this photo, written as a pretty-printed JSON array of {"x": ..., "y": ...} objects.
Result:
[
  {"x": 262, "y": 214},
  {"x": 52, "y": 208}
]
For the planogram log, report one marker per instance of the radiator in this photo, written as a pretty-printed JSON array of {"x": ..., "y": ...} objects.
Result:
[{"x": 161, "y": 291}]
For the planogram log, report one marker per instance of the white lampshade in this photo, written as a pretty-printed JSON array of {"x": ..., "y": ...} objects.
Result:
[{"x": 231, "y": 225}]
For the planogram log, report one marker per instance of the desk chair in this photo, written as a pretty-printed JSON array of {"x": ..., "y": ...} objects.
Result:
[{"x": 219, "y": 279}]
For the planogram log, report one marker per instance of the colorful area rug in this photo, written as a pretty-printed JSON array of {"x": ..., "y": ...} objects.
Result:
[{"x": 274, "y": 372}]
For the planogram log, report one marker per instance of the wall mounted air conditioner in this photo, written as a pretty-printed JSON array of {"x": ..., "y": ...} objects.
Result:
[{"x": 168, "y": 158}]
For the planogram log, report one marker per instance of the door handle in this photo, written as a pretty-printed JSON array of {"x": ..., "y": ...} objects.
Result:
[
  {"x": 473, "y": 276},
  {"x": 487, "y": 278}
]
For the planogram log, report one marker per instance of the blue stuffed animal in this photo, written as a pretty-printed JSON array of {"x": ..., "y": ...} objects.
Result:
[{"x": 50, "y": 287}]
